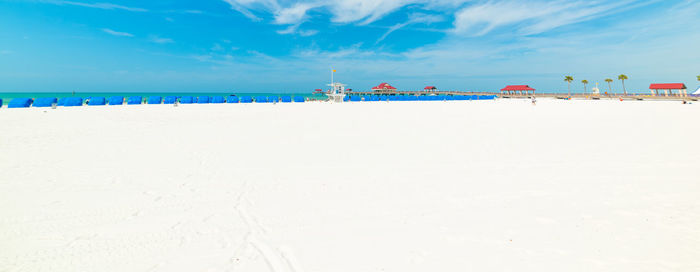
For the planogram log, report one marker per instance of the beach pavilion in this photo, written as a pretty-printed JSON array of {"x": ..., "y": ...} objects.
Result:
[
  {"x": 668, "y": 88},
  {"x": 384, "y": 87},
  {"x": 517, "y": 89},
  {"x": 430, "y": 88}
]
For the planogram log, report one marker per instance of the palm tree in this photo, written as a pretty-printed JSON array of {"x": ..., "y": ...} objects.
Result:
[
  {"x": 569, "y": 79},
  {"x": 623, "y": 78},
  {"x": 585, "y": 82},
  {"x": 609, "y": 80},
  {"x": 698, "y": 78}
]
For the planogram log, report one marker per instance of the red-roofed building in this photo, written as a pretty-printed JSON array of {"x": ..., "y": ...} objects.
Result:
[
  {"x": 430, "y": 88},
  {"x": 517, "y": 89},
  {"x": 384, "y": 87},
  {"x": 668, "y": 88}
]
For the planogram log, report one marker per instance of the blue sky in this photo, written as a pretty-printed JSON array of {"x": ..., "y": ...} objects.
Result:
[{"x": 290, "y": 46}]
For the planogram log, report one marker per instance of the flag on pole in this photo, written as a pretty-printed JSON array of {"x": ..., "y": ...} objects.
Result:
[{"x": 333, "y": 70}]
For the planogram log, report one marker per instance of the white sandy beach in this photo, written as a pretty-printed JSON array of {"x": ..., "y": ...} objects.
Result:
[{"x": 368, "y": 186}]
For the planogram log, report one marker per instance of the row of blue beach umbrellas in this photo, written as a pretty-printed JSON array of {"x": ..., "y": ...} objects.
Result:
[{"x": 137, "y": 100}]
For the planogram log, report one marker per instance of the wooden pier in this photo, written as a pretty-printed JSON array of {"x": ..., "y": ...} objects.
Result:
[{"x": 629, "y": 96}]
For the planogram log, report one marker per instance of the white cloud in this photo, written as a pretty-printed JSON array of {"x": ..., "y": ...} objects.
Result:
[
  {"x": 476, "y": 19},
  {"x": 294, "y": 29},
  {"x": 361, "y": 12},
  {"x": 245, "y": 7},
  {"x": 365, "y": 11},
  {"x": 294, "y": 14},
  {"x": 534, "y": 17},
  {"x": 343, "y": 11},
  {"x": 415, "y": 18},
  {"x": 307, "y": 33},
  {"x": 160, "y": 40},
  {"x": 108, "y": 6},
  {"x": 117, "y": 33}
]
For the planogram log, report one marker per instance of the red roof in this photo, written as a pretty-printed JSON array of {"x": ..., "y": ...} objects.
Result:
[
  {"x": 667, "y": 86},
  {"x": 430, "y": 88},
  {"x": 318, "y": 90},
  {"x": 384, "y": 86},
  {"x": 517, "y": 88}
]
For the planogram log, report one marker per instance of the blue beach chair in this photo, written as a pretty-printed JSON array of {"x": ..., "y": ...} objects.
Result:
[
  {"x": 299, "y": 99},
  {"x": 286, "y": 99},
  {"x": 261, "y": 99},
  {"x": 246, "y": 99},
  {"x": 171, "y": 99},
  {"x": 154, "y": 100},
  {"x": 97, "y": 101},
  {"x": 134, "y": 100},
  {"x": 232, "y": 99},
  {"x": 20, "y": 103},
  {"x": 203, "y": 100},
  {"x": 115, "y": 100},
  {"x": 71, "y": 101},
  {"x": 187, "y": 100},
  {"x": 217, "y": 99},
  {"x": 44, "y": 102}
]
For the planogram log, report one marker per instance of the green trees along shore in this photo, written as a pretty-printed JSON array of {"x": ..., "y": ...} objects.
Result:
[
  {"x": 609, "y": 81},
  {"x": 569, "y": 79},
  {"x": 622, "y": 78}
]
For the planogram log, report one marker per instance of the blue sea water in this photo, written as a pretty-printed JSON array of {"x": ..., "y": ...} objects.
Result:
[{"x": 6, "y": 97}]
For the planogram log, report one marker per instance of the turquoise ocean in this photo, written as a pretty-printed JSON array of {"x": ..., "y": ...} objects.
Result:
[{"x": 6, "y": 97}]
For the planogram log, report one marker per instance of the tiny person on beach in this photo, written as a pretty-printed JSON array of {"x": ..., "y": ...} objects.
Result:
[{"x": 534, "y": 101}]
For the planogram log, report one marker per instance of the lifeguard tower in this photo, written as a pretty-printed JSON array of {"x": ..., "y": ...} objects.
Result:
[
  {"x": 595, "y": 90},
  {"x": 337, "y": 91}
]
